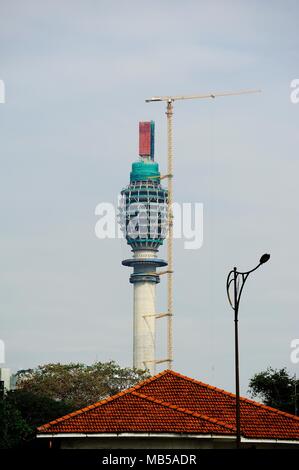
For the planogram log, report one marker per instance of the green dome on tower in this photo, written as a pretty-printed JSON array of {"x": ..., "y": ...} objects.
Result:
[{"x": 145, "y": 170}]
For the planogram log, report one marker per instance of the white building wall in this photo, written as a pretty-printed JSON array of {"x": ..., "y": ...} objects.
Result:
[
  {"x": 5, "y": 377},
  {"x": 165, "y": 443}
]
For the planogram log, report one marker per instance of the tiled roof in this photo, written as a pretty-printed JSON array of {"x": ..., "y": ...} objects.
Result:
[{"x": 173, "y": 403}]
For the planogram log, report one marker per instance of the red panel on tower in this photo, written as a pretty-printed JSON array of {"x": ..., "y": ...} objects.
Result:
[{"x": 144, "y": 139}]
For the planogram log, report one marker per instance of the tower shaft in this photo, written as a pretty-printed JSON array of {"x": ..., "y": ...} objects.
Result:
[
  {"x": 144, "y": 322},
  {"x": 144, "y": 326},
  {"x": 144, "y": 278}
]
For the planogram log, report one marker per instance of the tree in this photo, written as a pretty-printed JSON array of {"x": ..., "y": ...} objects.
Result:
[
  {"x": 21, "y": 412},
  {"x": 78, "y": 385},
  {"x": 53, "y": 390},
  {"x": 276, "y": 388},
  {"x": 35, "y": 409},
  {"x": 14, "y": 431}
]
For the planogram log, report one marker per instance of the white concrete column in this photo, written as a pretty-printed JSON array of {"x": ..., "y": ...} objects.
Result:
[
  {"x": 144, "y": 318},
  {"x": 144, "y": 326}
]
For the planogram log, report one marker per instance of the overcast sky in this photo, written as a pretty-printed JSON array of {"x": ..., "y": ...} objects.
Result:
[{"x": 77, "y": 74}]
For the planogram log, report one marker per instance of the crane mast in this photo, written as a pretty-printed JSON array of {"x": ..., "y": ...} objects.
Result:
[{"x": 169, "y": 113}]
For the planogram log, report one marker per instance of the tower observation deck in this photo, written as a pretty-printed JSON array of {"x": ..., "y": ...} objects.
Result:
[{"x": 143, "y": 218}]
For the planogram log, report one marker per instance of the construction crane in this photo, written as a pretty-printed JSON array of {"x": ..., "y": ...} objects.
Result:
[{"x": 169, "y": 113}]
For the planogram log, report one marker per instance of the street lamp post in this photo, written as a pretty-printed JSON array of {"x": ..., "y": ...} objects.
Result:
[{"x": 237, "y": 280}]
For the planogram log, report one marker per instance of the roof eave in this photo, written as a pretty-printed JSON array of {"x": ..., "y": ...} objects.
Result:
[
  {"x": 136, "y": 435},
  {"x": 167, "y": 435}
]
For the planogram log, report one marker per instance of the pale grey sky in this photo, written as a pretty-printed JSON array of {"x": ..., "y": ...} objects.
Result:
[{"x": 77, "y": 74}]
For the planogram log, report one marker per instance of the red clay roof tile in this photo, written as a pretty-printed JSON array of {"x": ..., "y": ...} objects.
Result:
[{"x": 171, "y": 402}]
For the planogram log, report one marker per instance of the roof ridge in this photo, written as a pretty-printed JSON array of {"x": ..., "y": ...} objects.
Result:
[
  {"x": 184, "y": 410},
  {"x": 225, "y": 392},
  {"x": 101, "y": 402}
]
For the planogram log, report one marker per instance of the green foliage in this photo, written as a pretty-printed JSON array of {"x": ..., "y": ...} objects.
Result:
[
  {"x": 53, "y": 390},
  {"x": 78, "y": 385},
  {"x": 14, "y": 431},
  {"x": 36, "y": 409},
  {"x": 276, "y": 388}
]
